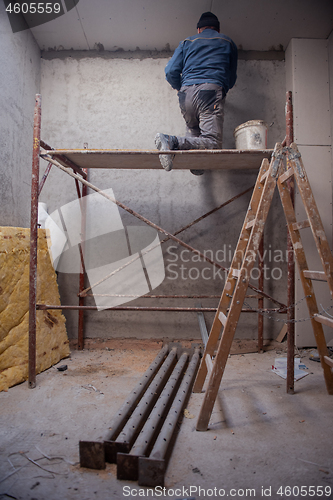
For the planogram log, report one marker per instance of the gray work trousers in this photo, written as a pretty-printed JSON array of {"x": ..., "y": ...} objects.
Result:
[{"x": 202, "y": 107}]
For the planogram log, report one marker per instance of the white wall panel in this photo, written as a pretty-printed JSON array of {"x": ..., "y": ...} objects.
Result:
[
  {"x": 307, "y": 76},
  {"x": 310, "y": 81}
]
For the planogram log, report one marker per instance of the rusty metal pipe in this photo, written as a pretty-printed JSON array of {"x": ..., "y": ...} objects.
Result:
[
  {"x": 132, "y": 428},
  {"x": 45, "y": 307},
  {"x": 291, "y": 261},
  {"x": 34, "y": 243},
  {"x": 78, "y": 190},
  {"x": 261, "y": 299},
  {"x": 166, "y": 296},
  {"x": 92, "y": 454},
  {"x": 65, "y": 160},
  {"x": 80, "y": 333},
  {"x": 152, "y": 469},
  {"x": 127, "y": 463},
  {"x": 199, "y": 219},
  {"x": 45, "y": 176}
]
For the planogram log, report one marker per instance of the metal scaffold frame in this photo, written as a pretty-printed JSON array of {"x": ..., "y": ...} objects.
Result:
[{"x": 63, "y": 159}]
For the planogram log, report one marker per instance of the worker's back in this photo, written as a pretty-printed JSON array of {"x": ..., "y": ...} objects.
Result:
[{"x": 209, "y": 57}]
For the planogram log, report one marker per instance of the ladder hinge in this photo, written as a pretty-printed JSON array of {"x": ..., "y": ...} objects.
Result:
[
  {"x": 294, "y": 156},
  {"x": 278, "y": 156}
]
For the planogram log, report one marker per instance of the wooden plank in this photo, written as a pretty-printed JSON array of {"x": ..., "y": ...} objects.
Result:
[
  {"x": 328, "y": 361},
  {"x": 283, "y": 333},
  {"x": 301, "y": 225},
  {"x": 213, "y": 159},
  {"x": 315, "y": 275},
  {"x": 324, "y": 320}
]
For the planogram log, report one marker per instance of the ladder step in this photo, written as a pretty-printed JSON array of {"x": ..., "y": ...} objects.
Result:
[
  {"x": 315, "y": 275},
  {"x": 209, "y": 363},
  {"x": 328, "y": 361},
  {"x": 263, "y": 177},
  {"x": 286, "y": 175},
  {"x": 250, "y": 223},
  {"x": 301, "y": 225},
  {"x": 235, "y": 273},
  {"x": 222, "y": 318},
  {"x": 324, "y": 320}
]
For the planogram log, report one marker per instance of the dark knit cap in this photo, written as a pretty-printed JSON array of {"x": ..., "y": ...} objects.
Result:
[{"x": 208, "y": 19}]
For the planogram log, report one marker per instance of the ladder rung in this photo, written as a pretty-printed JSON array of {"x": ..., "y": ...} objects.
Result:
[
  {"x": 263, "y": 177},
  {"x": 286, "y": 175},
  {"x": 315, "y": 275},
  {"x": 222, "y": 318},
  {"x": 324, "y": 320},
  {"x": 250, "y": 223},
  {"x": 328, "y": 361},
  {"x": 300, "y": 225},
  {"x": 235, "y": 273},
  {"x": 209, "y": 363}
]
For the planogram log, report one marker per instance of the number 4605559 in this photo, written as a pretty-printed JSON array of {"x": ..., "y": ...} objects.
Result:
[
  {"x": 310, "y": 491},
  {"x": 34, "y": 8}
]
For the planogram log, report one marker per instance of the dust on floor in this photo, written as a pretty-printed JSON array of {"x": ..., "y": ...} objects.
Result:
[{"x": 259, "y": 436}]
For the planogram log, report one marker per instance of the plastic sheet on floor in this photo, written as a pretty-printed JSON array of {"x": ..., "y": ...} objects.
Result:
[{"x": 280, "y": 368}]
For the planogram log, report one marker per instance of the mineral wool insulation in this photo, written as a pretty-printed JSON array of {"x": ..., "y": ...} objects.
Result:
[{"x": 51, "y": 343}]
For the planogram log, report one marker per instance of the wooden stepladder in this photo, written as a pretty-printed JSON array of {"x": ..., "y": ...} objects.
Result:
[
  {"x": 230, "y": 306},
  {"x": 295, "y": 167}
]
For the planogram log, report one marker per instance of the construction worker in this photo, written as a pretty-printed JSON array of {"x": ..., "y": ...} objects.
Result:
[{"x": 203, "y": 68}]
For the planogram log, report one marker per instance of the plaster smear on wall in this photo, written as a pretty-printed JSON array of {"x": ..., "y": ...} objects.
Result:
[
  {"x": 122, "y": 104},
  {"x": 51, "y": 342}
]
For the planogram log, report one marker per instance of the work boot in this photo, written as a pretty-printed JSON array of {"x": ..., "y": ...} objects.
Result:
[
  {"x": 197, "y": 172},
  {"x": 165, "y": 142}
]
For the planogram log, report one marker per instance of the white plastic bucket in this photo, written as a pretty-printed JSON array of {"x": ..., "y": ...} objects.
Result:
[{"x": 251, "y": 135}]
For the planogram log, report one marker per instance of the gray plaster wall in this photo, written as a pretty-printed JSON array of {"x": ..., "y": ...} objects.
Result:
[
  {"x": 122, "y": 103},
  {"x": 19, "y": 83}
]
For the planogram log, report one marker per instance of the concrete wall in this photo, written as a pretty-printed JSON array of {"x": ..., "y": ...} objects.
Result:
[
  {"x": 309, "y": 76},
  {"x": 19, "y": 83},
  {"x": 122, "y": 103}
]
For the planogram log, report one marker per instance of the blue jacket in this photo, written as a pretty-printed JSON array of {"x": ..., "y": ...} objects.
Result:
[{"x": 209, "y": 57}]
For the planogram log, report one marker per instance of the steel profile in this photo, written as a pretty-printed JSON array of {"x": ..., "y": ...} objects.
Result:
[
  {"x": 92, "y": 453},
  {"x": 33, "y": 243},
  {"x": 127, "y": 463},
  {"x": 133, "y": 426},
  {"x": 152, "y": 469}
]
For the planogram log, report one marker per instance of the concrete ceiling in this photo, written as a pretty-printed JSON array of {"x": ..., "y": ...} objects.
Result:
[{"x": 161, "y": 24}]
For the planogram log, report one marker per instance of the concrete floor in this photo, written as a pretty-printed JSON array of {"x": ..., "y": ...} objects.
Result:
[{"x": 260, "y": 438}]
